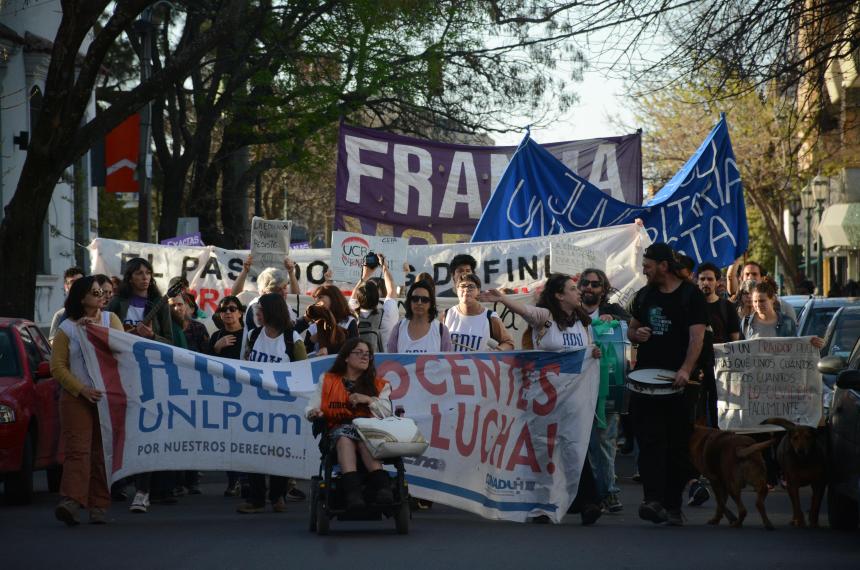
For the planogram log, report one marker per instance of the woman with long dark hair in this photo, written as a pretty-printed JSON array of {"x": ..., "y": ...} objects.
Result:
[
  {"x": 329, "y": 321},
  {"x": 84, "y": 483},
  {"x": 274, "y": 341},
  {"x": 419, "y": 331},
  {"x": 138, "y": 293},
  {"x": 349, "y": 390},
  {"x": 559, "y": 323}
]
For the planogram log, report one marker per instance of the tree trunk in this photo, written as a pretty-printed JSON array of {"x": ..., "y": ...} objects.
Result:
[
  {"x": 234, "y": 199},
  {"x": 21, "y": 232}
]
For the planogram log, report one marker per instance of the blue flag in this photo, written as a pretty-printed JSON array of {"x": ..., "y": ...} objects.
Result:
[{"x": 700, "y": 212}]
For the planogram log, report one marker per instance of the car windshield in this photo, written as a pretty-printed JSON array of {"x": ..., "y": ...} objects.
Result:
[
  {"x": 8, "y": 355},
  {"x": 845, "y": 335},
  {"x": 816, "y": 323}
]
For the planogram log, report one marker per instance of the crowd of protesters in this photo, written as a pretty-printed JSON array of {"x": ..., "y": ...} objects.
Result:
[{"x": 673, "y": 323}]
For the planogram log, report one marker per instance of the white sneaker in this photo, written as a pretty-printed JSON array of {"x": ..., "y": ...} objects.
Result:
[{"x": 140, "y": 504}]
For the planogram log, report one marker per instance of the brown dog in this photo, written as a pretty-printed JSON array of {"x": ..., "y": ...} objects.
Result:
[
  {"x": 802, "y": 457},
  {"x": 730, "y": 462}
]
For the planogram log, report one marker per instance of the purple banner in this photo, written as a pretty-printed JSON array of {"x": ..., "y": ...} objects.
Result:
[
  {"x": 190, "y": 239},
  {"x": 433, "y": 192}
]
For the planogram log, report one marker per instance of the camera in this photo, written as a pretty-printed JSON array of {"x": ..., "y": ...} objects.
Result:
[{"x": 371, "y": 260}]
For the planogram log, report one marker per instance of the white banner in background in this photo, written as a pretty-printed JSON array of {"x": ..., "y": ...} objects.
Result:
[
  {"x": 518, "y": 264},
  {"x": 508, "y": 432},
  {"x": 767, "y": 378}
]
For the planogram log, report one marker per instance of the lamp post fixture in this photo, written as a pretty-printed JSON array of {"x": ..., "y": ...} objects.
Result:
[
  {"x": 808, "y": 204},
  {"x": 821, "y": 193},
  {"x": 794, "y": 208}
]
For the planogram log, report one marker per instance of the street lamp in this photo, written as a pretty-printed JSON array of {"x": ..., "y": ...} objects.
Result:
[
  {"x": 807, "y": 202},
  {"x": 794, "y": 208},
  {"x": 821, "y": 193}
]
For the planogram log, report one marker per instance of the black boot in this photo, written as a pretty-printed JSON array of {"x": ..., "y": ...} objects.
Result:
[
  {"x": 352, "y": 486},
  {"x": 380, "y": 487}
]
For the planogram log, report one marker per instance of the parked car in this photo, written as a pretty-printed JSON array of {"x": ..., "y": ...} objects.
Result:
[
  {"x": 817, "y": 313},
  {"x": 843, "y": 490},
  {"x": 842, "y": 334},
  {"x": 29, "y": 411},
  {"x": 797, "y": 302}
]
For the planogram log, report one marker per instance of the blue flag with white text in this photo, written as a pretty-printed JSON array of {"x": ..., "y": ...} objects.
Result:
[{"x": 700, "y": 212}]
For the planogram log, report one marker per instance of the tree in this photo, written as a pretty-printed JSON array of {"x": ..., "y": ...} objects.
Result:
[{"x": 58, "y": 138}]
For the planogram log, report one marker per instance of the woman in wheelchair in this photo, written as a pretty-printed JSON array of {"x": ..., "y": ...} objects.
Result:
[{"x": 351, "y": 389}]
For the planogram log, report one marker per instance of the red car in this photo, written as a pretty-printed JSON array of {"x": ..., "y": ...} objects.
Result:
[{"x": 29, "y": 411}]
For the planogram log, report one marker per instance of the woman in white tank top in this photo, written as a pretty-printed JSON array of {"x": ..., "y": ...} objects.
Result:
[
  {"x": 559, "y": 322},
  {"x": 471, "y": 325},
  {"x": 419, "y": 331}
]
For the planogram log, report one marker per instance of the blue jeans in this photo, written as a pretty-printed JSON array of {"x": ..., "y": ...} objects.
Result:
[{"x": 601, "y": 454}]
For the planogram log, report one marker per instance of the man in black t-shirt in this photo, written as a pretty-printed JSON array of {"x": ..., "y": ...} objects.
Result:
[
  {"x": 723, "y": 326},
  {"x": 669, "y": 325}
]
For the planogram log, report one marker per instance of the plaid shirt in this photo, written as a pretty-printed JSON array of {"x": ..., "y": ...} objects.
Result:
[{"x": 197, "y": 337}]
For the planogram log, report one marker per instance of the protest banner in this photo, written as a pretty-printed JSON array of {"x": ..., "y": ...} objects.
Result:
[
  {"x": 519, "y": 265},
  {"x": 767, "y": 378},
  {"x": 573, "y": 260},
  {"x": 700, "y": 212},
  {"x": 189, "y": 239},
  {"x": 433, "y": 192},
  {"x": 349, "y": 250},
  {"x": 270, "y": 242},
  {"x": 508, "y": 432}
]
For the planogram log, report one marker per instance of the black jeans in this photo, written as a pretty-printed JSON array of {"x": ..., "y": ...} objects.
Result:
[
  {"x": 277, "y": 488},
  {"x": 663, "y": 427}
]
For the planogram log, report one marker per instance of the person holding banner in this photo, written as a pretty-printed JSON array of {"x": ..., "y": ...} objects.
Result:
[
  {"x": 274, "y": 341},
  {"x": 84, "y": 483},
  {"x": 558, "y": 322},
  {"x": 419, "y": 331},
  {"x": 669, "y": 318},
  {"x": 270, "y": 280},
  {"x": 595, "y": 288},
  {"x": 765, "y": 321},
  {"x": 472, "y": 327},
  {"x": 351, "y": 389}
]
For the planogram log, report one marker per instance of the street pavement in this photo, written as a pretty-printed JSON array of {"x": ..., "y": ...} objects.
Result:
[{"x": 204, "y": 531}]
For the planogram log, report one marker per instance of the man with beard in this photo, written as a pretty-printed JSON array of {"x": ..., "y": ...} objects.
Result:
[
  {"x": 668, "y": 324},
  {"x": 595, "y": 288}
]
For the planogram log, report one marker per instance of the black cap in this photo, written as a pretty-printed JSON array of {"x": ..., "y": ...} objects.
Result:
[{"x": 661, "y": 252}]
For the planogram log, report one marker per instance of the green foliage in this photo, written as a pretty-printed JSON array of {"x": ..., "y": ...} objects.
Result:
[{"x": 116, "y": 221}]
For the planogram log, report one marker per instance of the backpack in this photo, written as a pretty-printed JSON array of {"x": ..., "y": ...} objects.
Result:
[
  {"x": 255, "y": 334},
  {"x": 368, "y": 329}
]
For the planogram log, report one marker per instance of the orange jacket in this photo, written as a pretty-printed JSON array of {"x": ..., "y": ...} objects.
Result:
[{"x": 335, "y": 401}]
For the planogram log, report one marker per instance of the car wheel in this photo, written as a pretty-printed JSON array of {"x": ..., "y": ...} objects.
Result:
[
  {"x": 55, "y": 476},
  {"x": 19, "y": 485},
  {"x": 841, "y": 511}
]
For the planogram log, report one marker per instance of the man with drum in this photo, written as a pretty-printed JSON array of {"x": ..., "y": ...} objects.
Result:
[{"x": 668, "y": 324}]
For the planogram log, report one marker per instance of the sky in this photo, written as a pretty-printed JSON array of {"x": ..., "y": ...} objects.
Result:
[{"x": 600, "y": 99}]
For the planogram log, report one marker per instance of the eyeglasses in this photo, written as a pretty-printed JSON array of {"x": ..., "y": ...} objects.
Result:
[
  {"x": 467, "y": 287},
  {"x": 419, "y": 299},
  {"x": 229, "y": 309},
  {"x": 593, "y": 284},
  {"x": 97, "y": 293},
  {"x": 361, "y": 354}
]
